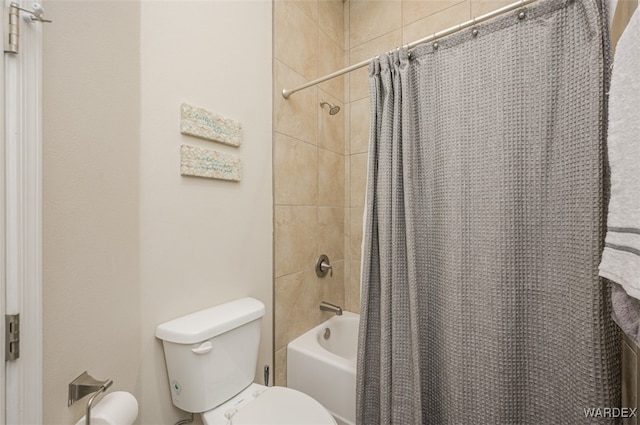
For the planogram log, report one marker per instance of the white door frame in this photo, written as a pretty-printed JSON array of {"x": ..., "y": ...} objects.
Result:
[{"x": 22, "y": 218}]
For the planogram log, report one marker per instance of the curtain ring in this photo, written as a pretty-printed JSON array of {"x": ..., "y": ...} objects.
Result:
[
  {"x": 474, "y": 30},
  {"x": 522, "y": 13}
]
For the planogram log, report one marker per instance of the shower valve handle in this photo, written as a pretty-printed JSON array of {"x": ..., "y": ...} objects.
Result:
[{"x": 323, "y": 266}]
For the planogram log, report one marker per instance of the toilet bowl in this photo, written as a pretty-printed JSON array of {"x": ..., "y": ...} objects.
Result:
[
  {"x": 211, "y": 358},
  {"x": 262, "y": 405}
]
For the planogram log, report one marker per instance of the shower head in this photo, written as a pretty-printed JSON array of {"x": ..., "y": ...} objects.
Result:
[{"x": 333, "y": 109}]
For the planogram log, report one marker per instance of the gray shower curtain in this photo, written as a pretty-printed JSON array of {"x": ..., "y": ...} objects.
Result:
[{"x": 481, "y": 302}]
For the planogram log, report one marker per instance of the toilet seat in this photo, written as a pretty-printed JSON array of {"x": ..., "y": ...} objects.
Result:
[{"x": 259, "y": 405}]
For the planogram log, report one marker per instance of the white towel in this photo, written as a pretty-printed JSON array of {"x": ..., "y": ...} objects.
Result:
[{"x": 621, "y": 256}]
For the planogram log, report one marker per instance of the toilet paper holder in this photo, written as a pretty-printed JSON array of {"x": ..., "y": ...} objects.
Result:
[{"x": 84, "y": 385}]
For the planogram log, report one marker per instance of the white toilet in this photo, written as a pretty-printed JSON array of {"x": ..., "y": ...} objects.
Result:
[{"x": 211, "y": 358}]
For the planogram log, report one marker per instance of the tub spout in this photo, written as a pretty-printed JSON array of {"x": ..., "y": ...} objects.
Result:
[{"x": 325, "y": 306}]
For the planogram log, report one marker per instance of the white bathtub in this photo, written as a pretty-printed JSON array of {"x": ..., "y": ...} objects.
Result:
[{"x": 326, "y": 368}]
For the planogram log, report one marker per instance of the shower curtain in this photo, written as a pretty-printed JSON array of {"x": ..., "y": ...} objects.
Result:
[{"x": 481, "y": 302}]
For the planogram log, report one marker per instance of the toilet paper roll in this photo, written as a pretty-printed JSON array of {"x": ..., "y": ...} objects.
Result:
[{"x": 116, "y": 408}]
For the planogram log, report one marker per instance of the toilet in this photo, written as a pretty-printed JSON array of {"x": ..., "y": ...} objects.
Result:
[{"x": 211, "y": 358}]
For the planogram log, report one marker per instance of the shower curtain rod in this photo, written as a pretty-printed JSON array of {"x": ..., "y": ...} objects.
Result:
[{"x": 513, "y": 6}]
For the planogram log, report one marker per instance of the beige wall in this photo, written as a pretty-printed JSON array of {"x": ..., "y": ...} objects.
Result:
[
  {"x": 375, "y": 27},
  {"x": 128, "y": 242},
  {"x": 309, "y": 167},
  {"x": 202, "y": 241},
  {"x": 91, "y": 291}
]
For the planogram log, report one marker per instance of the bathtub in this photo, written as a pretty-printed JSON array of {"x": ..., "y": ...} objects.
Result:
[{"x": 326, "y": 368}]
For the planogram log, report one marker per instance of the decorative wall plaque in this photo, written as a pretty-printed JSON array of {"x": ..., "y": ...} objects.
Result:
[
  {"x": 208, "y": 163},
  {"x": 201, "y": 123}
]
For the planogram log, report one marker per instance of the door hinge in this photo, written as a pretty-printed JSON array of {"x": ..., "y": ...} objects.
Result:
[
  {"x": 12, "y": 23},
  {"x": 11, "y": 337},
  {"x": 12, "y": 28}
]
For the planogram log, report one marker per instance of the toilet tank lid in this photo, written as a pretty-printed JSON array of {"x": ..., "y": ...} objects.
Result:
[{"x": 208, "y": 323}]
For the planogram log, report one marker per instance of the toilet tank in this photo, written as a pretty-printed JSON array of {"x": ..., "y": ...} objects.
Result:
[{"x": 211, "y": 355}]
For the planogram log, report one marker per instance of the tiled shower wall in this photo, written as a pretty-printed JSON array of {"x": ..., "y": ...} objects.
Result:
[
  {"x": 320, "y": 160},
  {"x": 309, "y": 167}
]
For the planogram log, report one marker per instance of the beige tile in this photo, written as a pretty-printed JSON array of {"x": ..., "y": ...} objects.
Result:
[
  {"x": 347, "y": 181},
  {"x": 295, "y": 236},
  {"x": 414, "y": 10},
  {"x": 296, "y": 302},
  {"x": 332, "y": 290},
  {"x": 346, "y": 77},
  {"x": 297, "y": 116},
  {"x": 355, "y": 232},
  {"x": 331, "y": 19},
  {"x": 347, "y": 26},
  {"x": 353, "y": 287},
  {"x": 280, "y": 372},
  {"x": 308, "y": 7},
  {"x": 376, "y": 46},
  {"x": 437, "y": 22},
  {"x": 295, "y": 39},
  {"x": 371, "y": 19},
  {"x": 331, "y": 233},
  {"x": 295, "y": 171},
  {"x": 313, "y": 285},
  {"x": 359, "y": 79},
  {"x": 359, "y": 83},
  {"x": 332, "y": 56},
  {"x": 345, "y": 289},
  {"x": 347, "y": 128},
  {"x": 358, "y": 179},
  {"x": 347, "y": 236},
  {"x": 360, "y": 125},
  {"x": 330, "y": 179},
  {"x": 481, "y": 7},
  {"x": 330, "y": 127}
]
